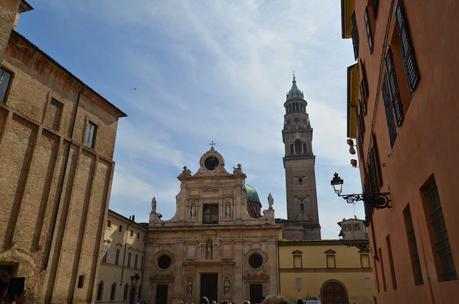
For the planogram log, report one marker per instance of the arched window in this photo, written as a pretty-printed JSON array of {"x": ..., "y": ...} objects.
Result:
[
  {"x": 304, "y": 148},
  {"x": 298, "y": 147},
  {"x": 126, "y": 291},
  {"x": 113, "y": 292},
  {"x": 291, "y": 149},
  {"x": 100, "y": 291}
]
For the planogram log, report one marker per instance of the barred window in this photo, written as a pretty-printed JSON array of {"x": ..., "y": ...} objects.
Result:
[
  {"x": 393, "y": 88},
  {"x": 444, "y": 262},
  {"x": 413, "y": 247},
  {"x": 368, "y": 29},
  {"x": 355, "y": 36},
  {"x": 389, "y": 111},
  {"x": 409, "y": 60}
]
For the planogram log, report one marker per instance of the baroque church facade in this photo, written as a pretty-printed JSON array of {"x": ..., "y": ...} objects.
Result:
[{"x": 219, "y": 244}]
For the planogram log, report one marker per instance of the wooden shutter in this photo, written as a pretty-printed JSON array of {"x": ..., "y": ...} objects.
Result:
[
  {"x": 393, "y": 88},
  {"x": 368, "y": 29},
  {"x": 411, "y": 67},
  {"x": 355, "y": 36},
  {"x": 389, "y": 111}
]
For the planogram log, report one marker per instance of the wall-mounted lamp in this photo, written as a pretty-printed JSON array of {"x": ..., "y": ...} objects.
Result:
[{"x": 375, "y": 200}]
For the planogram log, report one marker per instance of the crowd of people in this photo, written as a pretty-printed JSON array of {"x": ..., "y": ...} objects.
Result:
[{"x": 271, "y": 299}]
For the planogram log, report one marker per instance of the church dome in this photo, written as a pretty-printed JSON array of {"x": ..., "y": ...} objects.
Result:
[
  {"x": 252, "y": 194},
  {"x": 294, "y": 92}
]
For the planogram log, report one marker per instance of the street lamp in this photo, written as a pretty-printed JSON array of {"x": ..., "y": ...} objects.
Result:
[{"x": 375, "y": 200}]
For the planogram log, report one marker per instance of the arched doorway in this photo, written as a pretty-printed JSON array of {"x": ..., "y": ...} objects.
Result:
[{"x": 333, "y": 292}]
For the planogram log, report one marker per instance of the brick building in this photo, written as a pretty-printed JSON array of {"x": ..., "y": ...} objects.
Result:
[
  {"x": 57, "y": 139},
  {"x": 402, "y": 111}
]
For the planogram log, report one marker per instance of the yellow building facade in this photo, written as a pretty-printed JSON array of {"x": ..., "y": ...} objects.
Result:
[
  {"x": 122, "y": 260},
  {"x": 332, "y": 271}
]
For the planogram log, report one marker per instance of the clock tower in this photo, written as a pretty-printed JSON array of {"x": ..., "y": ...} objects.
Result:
[{"x": 302, "y": 215}]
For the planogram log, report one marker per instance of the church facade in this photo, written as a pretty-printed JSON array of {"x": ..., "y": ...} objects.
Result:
[{"x": 217, "y": 245}]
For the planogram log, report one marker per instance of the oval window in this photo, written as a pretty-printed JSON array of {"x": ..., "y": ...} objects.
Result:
[
  {"x": 255, "y": 260},
  {"x": 164, "y": 261}
]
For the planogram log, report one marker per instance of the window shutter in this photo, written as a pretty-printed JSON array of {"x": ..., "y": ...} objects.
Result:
[
  {"x": 355, "y": 36},
  {"x": 389, "y": 111},
  {"x": 368, "y": 29},
  {"x": 393, "y": 88},
  {"x": 411, "y": 68},
  {"x": 363, "y": 88},
  {"x": 361, "y": 132}
]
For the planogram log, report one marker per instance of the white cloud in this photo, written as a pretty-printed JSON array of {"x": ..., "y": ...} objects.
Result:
[{"x": 218, "y": 70}]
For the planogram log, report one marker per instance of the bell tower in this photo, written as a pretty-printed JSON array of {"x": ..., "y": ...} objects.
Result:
[{"x": 302, "y": 214}]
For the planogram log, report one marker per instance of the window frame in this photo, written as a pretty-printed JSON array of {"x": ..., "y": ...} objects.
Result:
[
  {"x": 214, "y": 217},
  {"x": 87, "y": 136},
  {"x": 439, "y": 239},
  {"x": 366, "y": 18},
  {"x": 4, "y": 99},
  {"x": 406, "y": 45},
  {"x": 355, "y": 36},
  {"x": 413, "y": 247}
]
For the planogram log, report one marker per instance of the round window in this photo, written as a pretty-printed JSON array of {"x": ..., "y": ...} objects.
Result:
[
  {"x": 255, "y": 260},
  {"x": 211, "y": 163},
  {"x": 164, "y": 261}
]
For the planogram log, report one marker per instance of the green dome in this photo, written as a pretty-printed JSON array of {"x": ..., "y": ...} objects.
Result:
[
  {"x": 252, "y": 194},
  {"x": 294, "y": 92}
]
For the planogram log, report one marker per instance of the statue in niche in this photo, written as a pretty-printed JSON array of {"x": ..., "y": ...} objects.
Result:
[
  {"x": 228, "y": 209},
  {"x": 193, "y": 211},
  {"x": 153, "y": 204},
  {"x": 270, "y": 201},
  {"x": 226, "y": 286},
  {"x": 209, "y": 249},
  {"x": 189, "y": 286}
]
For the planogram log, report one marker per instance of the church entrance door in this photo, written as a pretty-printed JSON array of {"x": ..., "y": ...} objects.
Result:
[
  {"x": 334, "y": 293},
  {"x": 161, "y": 294},
  {"x": 256, "y": 293},
  {"x": 209, "y": 286}
]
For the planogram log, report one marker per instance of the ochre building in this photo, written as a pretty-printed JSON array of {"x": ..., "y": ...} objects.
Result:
[
  {"x": 57, "y": 138},
  {"x": 218, "y": 244},
  {"x": 329, "y": 271},
  {"x": 403, "y": 113},
  {"x": 122, "y": 260}
]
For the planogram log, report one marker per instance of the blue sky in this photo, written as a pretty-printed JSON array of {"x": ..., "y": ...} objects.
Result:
[{"x": 188, "y": 72}]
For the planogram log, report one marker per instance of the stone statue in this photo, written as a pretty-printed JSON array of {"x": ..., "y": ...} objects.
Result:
[
  {"x": 209, "y": 249},
  {"x": 189, "y": 287},
  {"x": 226, "y": 286},
  {"x": 227, "y": 210},
  {"x": 153, "y": 204},
  {"x": 270, "y": 201},
  {"x": 193, "y": 211}
]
